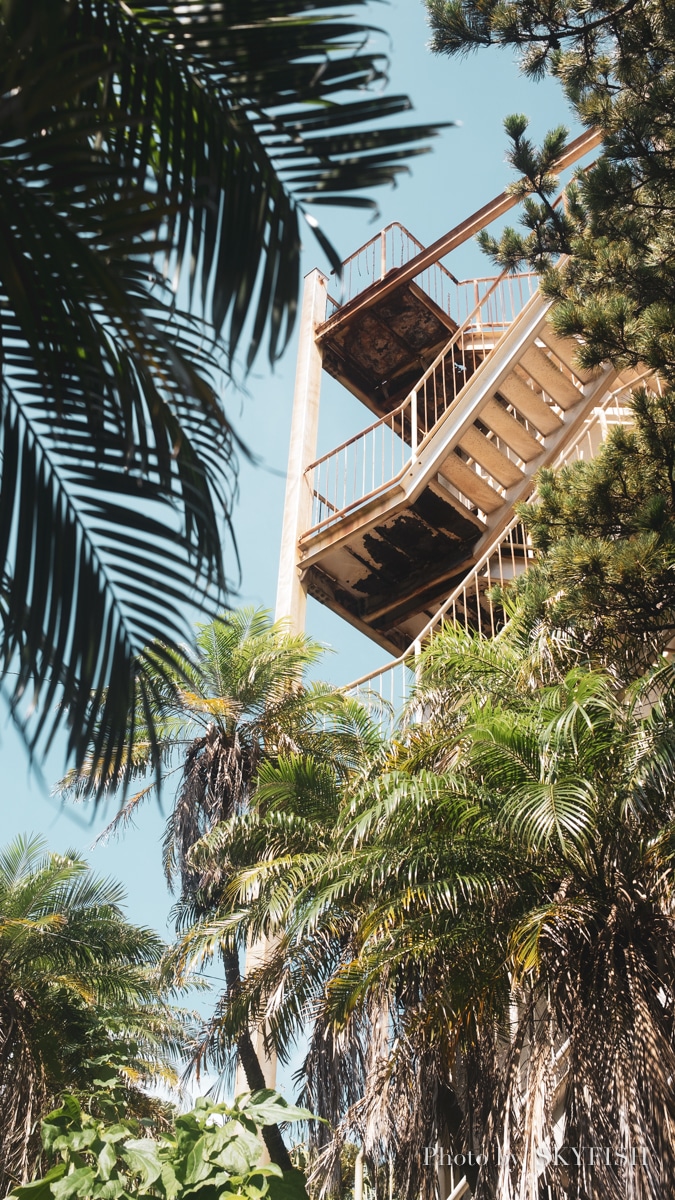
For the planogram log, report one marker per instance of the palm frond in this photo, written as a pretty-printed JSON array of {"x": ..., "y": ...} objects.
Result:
[{"x": 129, "y": 135}]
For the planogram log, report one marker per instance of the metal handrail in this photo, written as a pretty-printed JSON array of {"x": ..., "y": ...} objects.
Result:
[
  {"x": 356, "y": 437},
  {"x": 376, "y": 258},
  {"x": 380, "y": 237},
  {"x": 431, "y": 255}
]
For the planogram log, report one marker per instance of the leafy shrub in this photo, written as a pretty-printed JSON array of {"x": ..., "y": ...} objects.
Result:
[{"x": 213, "y": 1151}]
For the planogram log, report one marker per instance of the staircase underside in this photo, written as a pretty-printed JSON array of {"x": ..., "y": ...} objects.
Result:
[{"x": 389, "y": 578}]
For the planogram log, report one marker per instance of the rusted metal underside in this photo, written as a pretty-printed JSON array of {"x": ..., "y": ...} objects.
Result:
[
  {"x": 388, "y": 579},
  {"x": 380, "y": 355},
  {"x": 388, "y": 565}
]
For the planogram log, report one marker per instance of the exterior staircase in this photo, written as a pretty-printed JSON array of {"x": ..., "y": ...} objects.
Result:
[
  {"x": 404, "y": 510},
  {"x": 413, "y": 519},
  {"x": 412, "y": 522}
]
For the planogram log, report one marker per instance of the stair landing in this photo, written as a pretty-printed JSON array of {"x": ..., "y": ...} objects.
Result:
[{"x": 380, "y": 355}]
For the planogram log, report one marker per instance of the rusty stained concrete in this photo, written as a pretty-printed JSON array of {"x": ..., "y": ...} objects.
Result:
[{"x": 391, "y": 572}]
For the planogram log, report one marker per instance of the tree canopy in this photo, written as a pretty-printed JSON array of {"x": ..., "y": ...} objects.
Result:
[
  {"x": 80, "y": 996},
  {"x": 474, "y": 924},
  {"x": 605, "y": 255}
]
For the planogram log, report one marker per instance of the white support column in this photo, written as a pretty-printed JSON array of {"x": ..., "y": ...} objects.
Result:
[
  {"x": 291, "y": 596},
  {"x": 358, "y": 1176}
]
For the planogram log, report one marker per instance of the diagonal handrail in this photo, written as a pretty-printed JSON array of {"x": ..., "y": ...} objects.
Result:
[
  {"x": 589, "y": 140},
  {"x": 457, "y": 335}
]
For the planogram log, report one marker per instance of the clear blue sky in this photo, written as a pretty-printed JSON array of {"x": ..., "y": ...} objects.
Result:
[{"x": 465, "y": 169}]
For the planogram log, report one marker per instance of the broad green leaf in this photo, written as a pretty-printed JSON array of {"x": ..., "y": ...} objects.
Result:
[
  {"x": 40, "y": 1189},
  {"x": 142, "y": 1157},
  {"x": 197, "y": 1166},
  {"x": 115, "y": 1133},
  {"x": 110, "y": 1190},
  {"x": 267, "y": 1107},
  {"x": 219, "y": 1138},
  {"x": 78, "y": 1183},
  {"x": 107, "y": 1161},
  {"x": 78, "y": 1139},
  {"x": 239, "y": 1156},
  {"x": 170, "y": 1182}
]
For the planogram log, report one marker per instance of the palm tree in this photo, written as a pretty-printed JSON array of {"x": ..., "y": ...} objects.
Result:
[
  {"x": 482, "y": 940},
  {"x": 305, "y": 872},
  {"x": 135, "y": 138},
  {"x": 79, "y": 995},
  {"x": 583, "y": 783},
  {"x": 238, "y": 704}
]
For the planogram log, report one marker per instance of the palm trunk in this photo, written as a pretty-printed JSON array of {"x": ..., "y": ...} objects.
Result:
[{"x": 253, "y": 1071}]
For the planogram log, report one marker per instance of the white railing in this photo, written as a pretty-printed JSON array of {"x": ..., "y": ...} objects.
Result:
[
  {"x": 494, "y": 313},
  {"x": 477, "y": 602},
  {"x": 361, "y": 467},
  {"x": 393, "y": 247},
  {"x": 374, "y": 459}
]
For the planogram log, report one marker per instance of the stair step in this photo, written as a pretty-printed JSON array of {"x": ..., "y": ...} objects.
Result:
[
  {"x": 465, "y": 479},
  {"x": 511, "y": 431},
  {"x": 566, "y": 350},
  {"x": 485, "y": 452},
  {"x": 550, "y": 378},
  {"x": 530, "y": 405}
]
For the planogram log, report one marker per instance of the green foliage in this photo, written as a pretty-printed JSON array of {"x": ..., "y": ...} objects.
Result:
[
  {"x": 239, "y": 698},
  {"x": 80, "y": 997},
  {"x": 549, "y": 224},
  {"x": 605, "y": 527},
  {"x": 138, "y": 143},
  {"x": 210, "y": 1152},
  {"x": 605, "y": 530},
  {"x": 500, "y": 877},
  {"x": 240, "y": 708},
  {"x": 616, "y": 63}
]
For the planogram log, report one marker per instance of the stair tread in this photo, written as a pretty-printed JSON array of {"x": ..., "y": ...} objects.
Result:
[
  {"x": 549, "y": 377},
  {"x": 530, "y": 405},
  {"x": 465, "y": 479},
  {"x": 485, "y": 452},
  {"x": 510, "y": 431},
  {"x": 566, "y": 350}
]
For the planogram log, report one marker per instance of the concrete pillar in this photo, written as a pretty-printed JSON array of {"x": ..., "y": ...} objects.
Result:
[
  {"x": 291, "y": 596},
  {"x": 358, "y": 1176}
]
